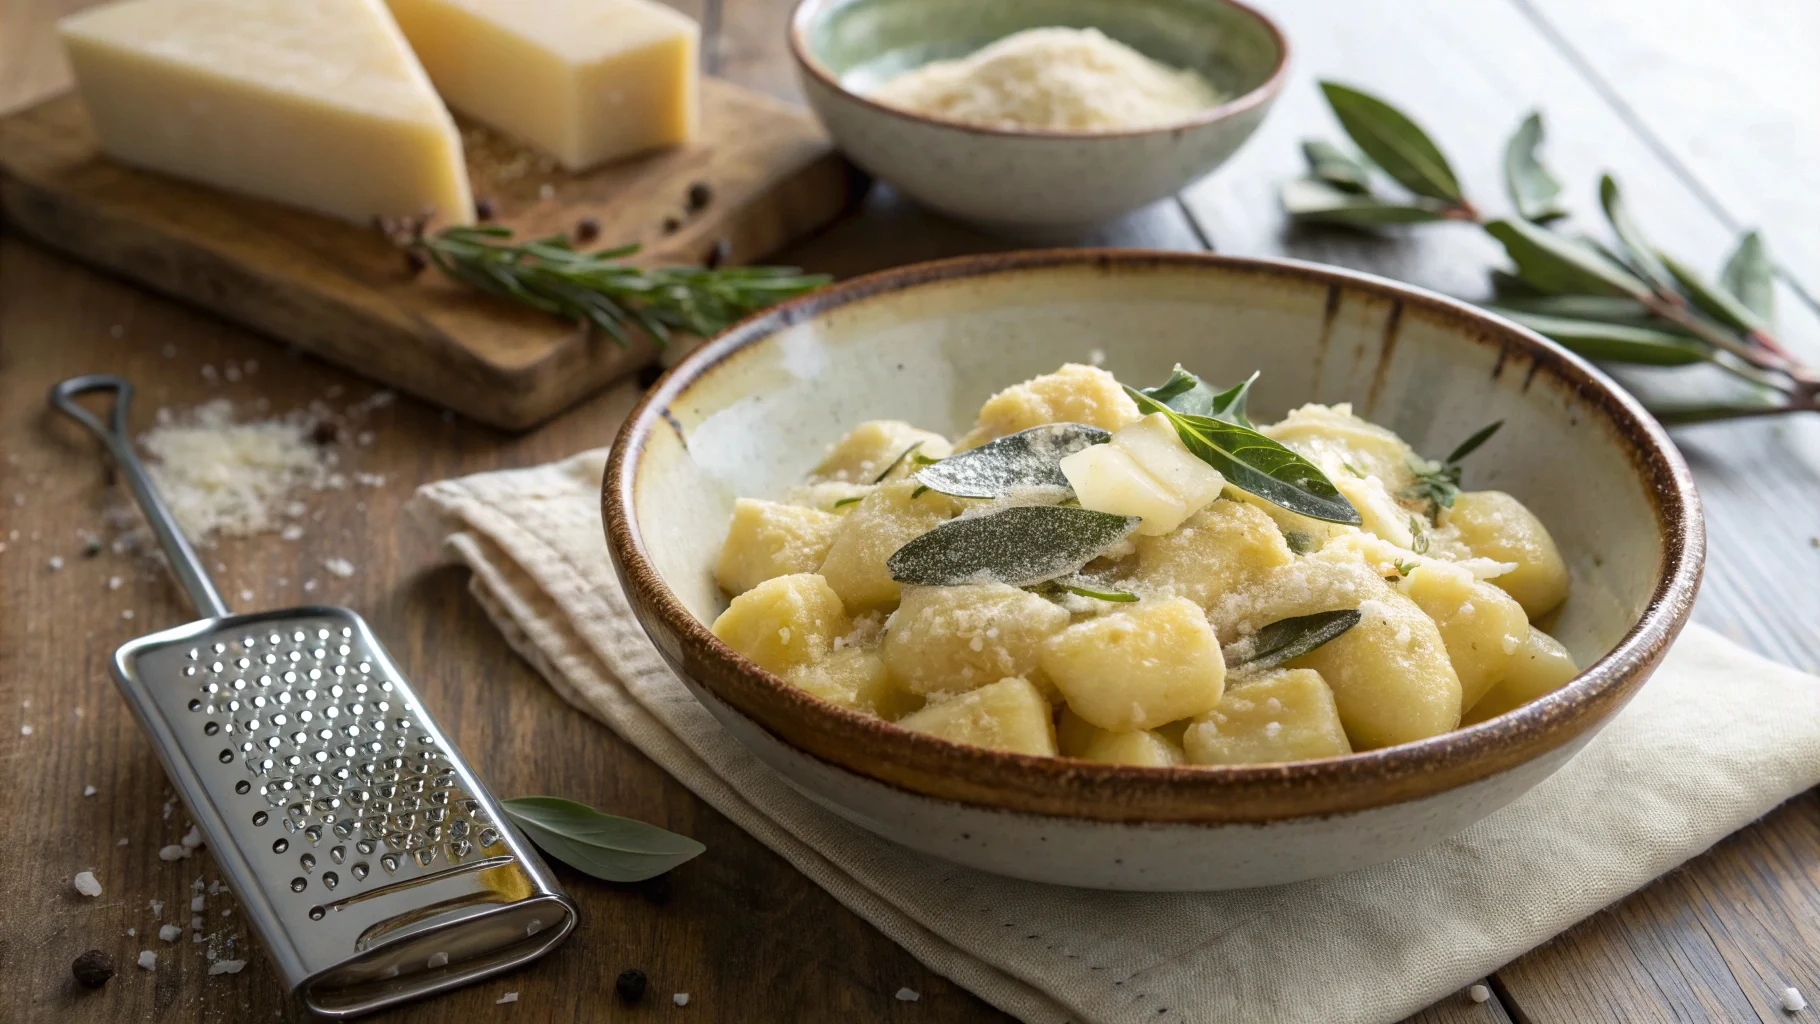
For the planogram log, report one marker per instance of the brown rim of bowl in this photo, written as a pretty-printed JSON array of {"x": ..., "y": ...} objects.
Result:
[
  {"x": 806, "y": 10},
  {"x": 1257, "y": 794}
]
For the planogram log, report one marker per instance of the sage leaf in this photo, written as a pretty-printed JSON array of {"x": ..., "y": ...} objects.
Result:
[
  {"x": 1188, "y": 393},
  {"x": 1286, "y": 640},
  {"x": 1750, "y": 277},
  {"x": 901, "y": 456},
  {"x": 603, "y": 845},
  {"x": 1533, "y": 190},
  {"x": 1017, "y": 546},
  {"x": 1711, "y": 299},
  {"x": 1027, "y": 459},
  {"x": 1256, "y": 464},
  {"x": 1506, "y": 285},
  {"x": 1471, "y": 444},
  {"x": 1083, "y": 586},
  {"x": 1612, "y": 343},
  {"x": 1558, "y": 265},
  {"x": 1336, "y": 167},
  {"x": 1610, "y": 309},
  {"x": 1394, "y": 142},
  {"x": 1314, "y": 201},
  {"x": 1640, "y": 254}
]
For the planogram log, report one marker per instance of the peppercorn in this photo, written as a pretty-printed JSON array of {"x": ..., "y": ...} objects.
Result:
[
  {"x": 93, "y": 968},
  {"x": 648, "y": 375},
  {"x": 722, "y": 251},
  {"x": 587, "y": 230},
  {"x": 630, "y": 985},
  {"x": 414, "y": 261},
  {"x": 325, "y": 433},
  {"x": 700, "y": 195},
  {"x": 483, "y": 209},
  {"x": 672, "y": 225}
]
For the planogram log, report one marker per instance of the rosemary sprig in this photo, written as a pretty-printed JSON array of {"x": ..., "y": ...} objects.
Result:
[
  {"x": 600, "y": 287},
  {"x": 1621, "y": 303}
]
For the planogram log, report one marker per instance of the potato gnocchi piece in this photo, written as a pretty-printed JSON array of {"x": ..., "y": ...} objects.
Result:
[
  {"x": 784, "y": 623},
  {"x": 1076, "y": 737},
  {"x": 1007, "y": 715},
  {"x": 1072, "y": 394},
  {"x": 1303, "y": 534},
  {"x": 1333, "y": 438},
  {"x": 959, "y": 638},
  {"x": 1280, "y": 715},
  {"x": 1222, "y": 548},
  {"x": 767, "y": 539},
  {"x": 879, "y": 524},
  {"x": 828, "y": 496},
  {"x": 855, "y": 678},
  {"x": 1390, "y": 675},
  {"x": 1540, "y": 668},
  {"x": 1495, "y": 525},
  {"x": 873, "y": 447},
  {"x": 1481, "y": 626},
  {"x": 1139, "y": 668}
]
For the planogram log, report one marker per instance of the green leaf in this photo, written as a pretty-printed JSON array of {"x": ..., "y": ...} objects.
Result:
[
  {"x": 901, "y": 456},
  {"x": 844, "y": 502},
  {"x": 1559, "y": 265},
  {"x": 1612, "y": 343},
  {"x": 1286, "y": 640},
  {"x": 1750, "y": 277},
  {"x": 1711, "y": 299},
  {"x": 1021, "y": 461},
  {"x": 1394, "y": 142},
  {"x": 1506, "y": 285},
  {"x": 1336, "y": 167},
  {"x": 1637, "y": 250},
  {"x": 1533, "y": 190},
  {"x": 1017, "y": 546},
  {"x": 1439, "y": 483},
  {"x": 603, "y": 845},
  {"x": 1256, "y": 464},
  {"x": 1187, "y": 393},
  {"x": 1608, "y": 309},
  {"x": 1098, "y": 593},
  {"x": 1471, "y": 444},
  {"x": 1313, "y": 201}
]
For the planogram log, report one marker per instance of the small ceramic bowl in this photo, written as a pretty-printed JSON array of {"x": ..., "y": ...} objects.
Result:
[
  {"x": 1024, "y": 178},
  {"x": 752, "y": 411}
]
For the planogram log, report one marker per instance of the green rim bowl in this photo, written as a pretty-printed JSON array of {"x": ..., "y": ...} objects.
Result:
[{"x": 1011, "y": 177}]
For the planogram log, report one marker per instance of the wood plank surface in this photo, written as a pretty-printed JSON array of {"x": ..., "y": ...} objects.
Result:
[
  {"x": 744, "y": 934},
  {"x": 342, "y": 291}
]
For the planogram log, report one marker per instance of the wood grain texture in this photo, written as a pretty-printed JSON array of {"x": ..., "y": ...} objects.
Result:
[
  {"x": 342, "y": 292},
  {"x": 749, "y": 938}
]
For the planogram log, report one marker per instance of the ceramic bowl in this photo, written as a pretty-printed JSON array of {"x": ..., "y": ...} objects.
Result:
[
  {"x": 1024, "y": 177},
  {"x": 753, "y": 410}
]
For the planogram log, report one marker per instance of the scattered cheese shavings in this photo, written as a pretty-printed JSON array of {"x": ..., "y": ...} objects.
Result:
[
  {"x": 229, "y": 478},
  {"x": 86, "y": 884},
  {"x": 509, "y": 997}
]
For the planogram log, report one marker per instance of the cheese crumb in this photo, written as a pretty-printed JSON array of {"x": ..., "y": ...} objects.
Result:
[
  {"x": 148, "y": 959},
  {"x": 229, "y": 478},
  {"x": 1792, "y": 1001},
  {"x": 438, "y": 960},
  {"x": 226, "y": 966},
  {"x": 908, "y": 995},
  {"x": 86, "y": 884},
  {"x": 509, "y": 997},
  {"x": 1479, "y": 993},
  {"x": 173, "y": 852},
  {"x": 88, "y": 791},
  {"x": 192, "y": 838},
  {"x": 338, "y": 567},
  {"x": 170, "y": 932},
  {"x": 680, "y": 998},
  {"x": 1059, "y": 79}
]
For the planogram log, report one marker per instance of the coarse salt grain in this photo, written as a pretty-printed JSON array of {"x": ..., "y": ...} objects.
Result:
[
  {"x": 157, "y": 907},
  {"x": 113, "y": 583},
  {"x": 173, "y": 852},
  {"x": 56, "y": 562},
  {"x": 226, "y": 966},
  {"x": 148, "y": 959},
  {"x": 908, "y": 995},
  {"x": 1792, "y": 1001},
  {"x": 1479, "y": 993},
  {"x": 196, "y": 905},
  {"x": 88, "y": 791},
  {"x": 170, "y": 933},
  {"x": 86, "y": 884},
  {"x": 680, "y": 998},
  {"x": 338, "y": 567},
  {"x": 509, "y": 997},
  {"x": 25, "y": 730}
]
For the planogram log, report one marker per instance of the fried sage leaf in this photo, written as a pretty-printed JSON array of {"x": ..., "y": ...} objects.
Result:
[
  {"x": 1286, "y": 640},
  {"x": 1315, "y": 201},
  {"x": 1027, "y": 459},
  {"x": 1336, "y": 167},
  {"x": 1017, "y": 546},
  {"x": 1750, "y": 277},
  {"x": 603, "y": 845},
  {"x": 1256, "y": 464},
  {"x": 1187, "y": 393},
  {"x": 1558, "y": 265},
  {"x": 1612, "y": 343},
  {"x": 1394, "y": 142},
  {"x": 1533, "y": 190}
]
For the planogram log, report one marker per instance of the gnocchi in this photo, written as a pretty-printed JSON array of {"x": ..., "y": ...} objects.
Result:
[{"x": 1155, "y": 613}]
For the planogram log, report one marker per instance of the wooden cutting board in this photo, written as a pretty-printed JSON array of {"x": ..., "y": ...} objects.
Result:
[{"x": 344, "y": 293}]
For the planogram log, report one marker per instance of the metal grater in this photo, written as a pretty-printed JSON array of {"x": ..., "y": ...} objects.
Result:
[{"x": 374, "y": 865}]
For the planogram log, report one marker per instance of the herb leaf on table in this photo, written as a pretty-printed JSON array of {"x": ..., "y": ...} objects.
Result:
[
  {"x": 1533, "y": 189},
  {"x": 603, "y": 845}
]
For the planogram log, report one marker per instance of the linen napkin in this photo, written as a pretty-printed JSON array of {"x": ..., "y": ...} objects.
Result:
[{"x": 1717, "y": 738}]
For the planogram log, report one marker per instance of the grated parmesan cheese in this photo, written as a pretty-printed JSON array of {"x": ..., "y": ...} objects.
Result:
[
  {"x": 1064, "y": 79},
  {"x": 231, "y": 478}
]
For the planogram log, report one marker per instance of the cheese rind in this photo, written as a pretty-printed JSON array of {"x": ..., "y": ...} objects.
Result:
[
  {"x": 318, "y": 104},
  {"x": 586, "y": 80}
]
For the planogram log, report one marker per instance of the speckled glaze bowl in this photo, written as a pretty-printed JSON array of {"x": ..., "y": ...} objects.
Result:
[
  {"x": 1026, "y": 178},
  {"x": 752, "y": 411}
]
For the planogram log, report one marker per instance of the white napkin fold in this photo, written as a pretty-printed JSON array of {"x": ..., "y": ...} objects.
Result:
[{"x": 1716, "y": 739}]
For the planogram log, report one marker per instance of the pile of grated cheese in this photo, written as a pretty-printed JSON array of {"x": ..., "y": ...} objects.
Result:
[
  {"x": 223, "y": 477},
  {"x": 1064, "y": 79}
]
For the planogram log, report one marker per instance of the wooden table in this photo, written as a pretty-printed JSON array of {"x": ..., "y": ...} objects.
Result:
[{"x": 1707, "y": 116}]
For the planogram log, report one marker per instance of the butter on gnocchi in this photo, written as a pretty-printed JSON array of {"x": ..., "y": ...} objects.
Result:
[{"x": 1148, "y": 578}]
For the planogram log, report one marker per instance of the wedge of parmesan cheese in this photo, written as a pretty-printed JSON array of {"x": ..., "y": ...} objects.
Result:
[
  {"x": 315, "y": 103},
  {"x": 586, "y": 80}
]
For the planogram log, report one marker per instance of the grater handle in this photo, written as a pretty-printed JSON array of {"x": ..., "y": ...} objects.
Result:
[{"x": 184, "y": 564}]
